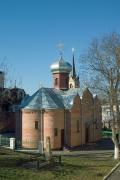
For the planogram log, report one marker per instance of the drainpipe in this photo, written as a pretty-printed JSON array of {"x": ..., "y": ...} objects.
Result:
[
  {"x": 65, "y": 127},
  {"x": 41, "y": 125},
  {"x": 42, "y": 135}
]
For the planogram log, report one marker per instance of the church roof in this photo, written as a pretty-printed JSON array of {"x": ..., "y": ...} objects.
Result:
[
  {"x": 44, "y": 98},
  {"x": 74, "y": 91},
  {"x": 50, "y": 98},
  {"x": 69, "y": 96}
]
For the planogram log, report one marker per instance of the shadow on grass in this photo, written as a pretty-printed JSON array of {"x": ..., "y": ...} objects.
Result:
[{"x": 64, "y": 169}]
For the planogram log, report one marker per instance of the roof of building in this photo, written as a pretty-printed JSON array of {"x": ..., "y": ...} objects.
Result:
[
  {"x": 50, "y": 98},
  {"x": 44, "y": 98},
  {"x": 69, "y": 96}
]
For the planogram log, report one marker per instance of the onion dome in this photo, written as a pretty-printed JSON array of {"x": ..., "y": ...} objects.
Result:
[{"x": 61, "y": 66}]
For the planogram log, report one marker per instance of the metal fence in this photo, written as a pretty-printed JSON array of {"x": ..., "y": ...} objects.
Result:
[
  {"x": 18, "y": 144},
  {"x": 4, "y": 141},
  {"x": 26, "y": 144}
]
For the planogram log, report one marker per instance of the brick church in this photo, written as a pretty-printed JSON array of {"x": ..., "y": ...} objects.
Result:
[{"x": 64, "y": 113}]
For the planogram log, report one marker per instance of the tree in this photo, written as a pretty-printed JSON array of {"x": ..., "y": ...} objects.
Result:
[
  {"x": 6, "y": 81},
  {"x": 103, "y": 62}
]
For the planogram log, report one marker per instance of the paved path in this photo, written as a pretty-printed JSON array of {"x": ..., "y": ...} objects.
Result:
[
  {"x": 103, "y": 146},
  {"x": 77, "y": 153},
  {"x": 115, "y": 175}
]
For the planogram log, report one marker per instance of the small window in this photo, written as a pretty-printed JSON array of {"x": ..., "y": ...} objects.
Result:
[
  {"x": 55, "y": 131},
  {"x": 78, "y": 124},
  {"x": 36, "y": 124},
  {"x": 56, "y": 81}
]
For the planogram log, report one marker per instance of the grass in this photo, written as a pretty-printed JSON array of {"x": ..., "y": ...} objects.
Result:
[{"x": 83, "y": 167}]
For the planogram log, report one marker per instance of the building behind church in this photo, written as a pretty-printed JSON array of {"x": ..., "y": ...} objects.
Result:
[
  {"x": 64, "y": 113},
  {"x": 9, "y": 100}
]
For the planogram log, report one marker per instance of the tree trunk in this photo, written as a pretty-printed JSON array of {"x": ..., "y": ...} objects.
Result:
[
  {"x": 116, "y": 144},
  {"x": 116, "y": 151}
]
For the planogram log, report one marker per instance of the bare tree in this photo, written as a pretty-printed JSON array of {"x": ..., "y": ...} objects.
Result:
[
  {"x": 8, "y": 79},
  {"x": 103, "y": 65}
]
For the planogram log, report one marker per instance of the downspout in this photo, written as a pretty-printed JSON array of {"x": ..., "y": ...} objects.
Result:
[
  {"x": 65, "y": 137},
  {"x": 41, "y": 125},
  {"x": 42, "y": 135}
]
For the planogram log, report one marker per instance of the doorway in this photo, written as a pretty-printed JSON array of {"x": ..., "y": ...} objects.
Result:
[
  {"x": 62, "y": 138},
  {"x": 87, "y": 135}
]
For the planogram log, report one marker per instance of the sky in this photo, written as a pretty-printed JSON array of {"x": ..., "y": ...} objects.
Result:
[{"x": 30, "y": 31}]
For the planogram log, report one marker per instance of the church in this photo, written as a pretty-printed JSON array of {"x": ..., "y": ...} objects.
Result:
[{"x": 65, "y": 114}]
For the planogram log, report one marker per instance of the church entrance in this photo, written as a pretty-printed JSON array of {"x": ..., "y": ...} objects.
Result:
[
  {"x": 87, "y": 135},
  {"x": 62, "y": 137}
]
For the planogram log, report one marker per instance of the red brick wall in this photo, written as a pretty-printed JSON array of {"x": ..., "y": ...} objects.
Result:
[
  {"x": 88, "y": 116},
  {"x": 98, "y": 118},
  {"x": 68, "y": 127},
  {"x": 30, "y": 135},
  {"x": 76, "y": 114},
  {"x": 53, "y": 119},
  {"x": 63, "y": 81}
]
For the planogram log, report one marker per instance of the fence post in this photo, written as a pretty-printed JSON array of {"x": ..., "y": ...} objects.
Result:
[
  {"x": 0, "y": 140},
  {"x": 48, "y": 152},
  {"x": 12, "y": 143},
  {"x": 40, "y": 147}
]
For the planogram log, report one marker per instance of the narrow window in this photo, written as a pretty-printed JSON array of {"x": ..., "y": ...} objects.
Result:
[
  {"x": 78, "y": 128},
  {"x": 55, "y": 131},
  {"x": 56, "y": 81},
  {"x": 36, "y": 124}
]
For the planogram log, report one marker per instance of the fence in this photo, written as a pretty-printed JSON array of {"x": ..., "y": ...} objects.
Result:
[
  {"x": 29, "y": 144},
  {"x": 4, "y": 141},
  {"x": 12, "y": 143},
  {"x": 26, "y": 144}
]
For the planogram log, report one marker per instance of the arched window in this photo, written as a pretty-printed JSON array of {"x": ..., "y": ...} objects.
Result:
[
  {"x": 56, "y": 81},
  {"x": 36, "y": 124}
]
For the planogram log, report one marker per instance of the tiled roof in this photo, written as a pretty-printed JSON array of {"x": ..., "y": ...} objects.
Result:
[
  {"x": 49, "y": 98},
  {"x": 69, "y": 96},
  {"x": 44, "y": 98}
]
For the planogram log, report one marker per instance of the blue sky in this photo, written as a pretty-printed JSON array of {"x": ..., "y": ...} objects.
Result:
[{"x": 31, "y": 29}]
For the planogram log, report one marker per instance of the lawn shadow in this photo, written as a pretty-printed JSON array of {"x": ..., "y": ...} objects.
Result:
[{"x": 64, "y": 169}]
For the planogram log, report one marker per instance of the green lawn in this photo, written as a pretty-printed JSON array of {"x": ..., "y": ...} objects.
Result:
[{"x": 83, "y": 167}]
